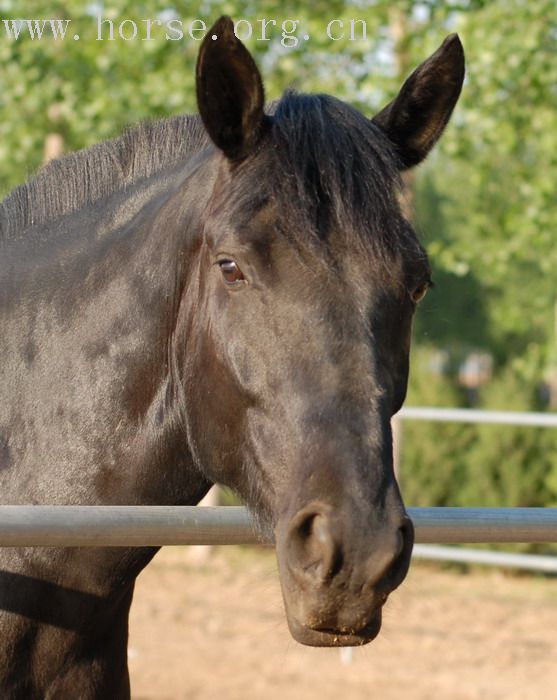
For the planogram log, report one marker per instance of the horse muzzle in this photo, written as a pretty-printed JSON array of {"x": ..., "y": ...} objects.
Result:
[{"x": 335, "y": 579}]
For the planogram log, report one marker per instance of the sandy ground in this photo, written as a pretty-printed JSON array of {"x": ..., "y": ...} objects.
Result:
[{"x": 217, "y": 631}]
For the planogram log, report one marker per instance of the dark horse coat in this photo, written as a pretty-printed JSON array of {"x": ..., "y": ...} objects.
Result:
[{"x": 224, "y": 298}]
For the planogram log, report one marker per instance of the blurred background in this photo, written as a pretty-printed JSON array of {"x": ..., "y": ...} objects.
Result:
[
  {"x": 485, "y": 337},
  {"x": 484, "y": 203}
]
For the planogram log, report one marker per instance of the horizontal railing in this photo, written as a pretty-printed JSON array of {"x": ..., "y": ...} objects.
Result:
[
  {"x": 140, "y": 526},
  {"x": 472, "y": 415},
  {"x": 512, "y": 560},
  {"x": 535, "y": 562}
]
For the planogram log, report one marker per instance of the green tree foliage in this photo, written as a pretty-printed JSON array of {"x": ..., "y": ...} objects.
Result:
[
  {"x": 89, "y": 90},
  {"x": 494, "y": 182},
  {"x": 487, "y": 202},
  {"x": 476, "y": 465}
]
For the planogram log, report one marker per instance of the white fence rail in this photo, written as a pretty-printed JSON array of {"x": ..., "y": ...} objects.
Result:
[
  {"x": 460, "y": 555},
  {"x": 138, "y": 526},
  {"x": 472, "y": 415}
]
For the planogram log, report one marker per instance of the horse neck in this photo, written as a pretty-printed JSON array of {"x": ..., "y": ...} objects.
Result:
[
  {"x": 92, "y": 417},
  {"x": 88, "y": 415}
]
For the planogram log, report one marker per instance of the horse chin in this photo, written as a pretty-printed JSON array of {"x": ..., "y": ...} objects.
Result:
[{"x": 316, "y": 637}]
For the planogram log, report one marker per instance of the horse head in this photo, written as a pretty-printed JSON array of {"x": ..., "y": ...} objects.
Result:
[{"x": 305, "y": 284}]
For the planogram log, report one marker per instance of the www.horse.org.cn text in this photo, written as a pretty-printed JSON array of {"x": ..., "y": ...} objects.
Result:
[{"x": 168, "y": 27}]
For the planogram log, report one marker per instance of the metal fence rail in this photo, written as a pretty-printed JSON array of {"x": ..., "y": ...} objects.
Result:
[
  {"x": 472, "y": 415},
  {"x": 137, "y": 526},
  {"x": 513, "y": 560}
]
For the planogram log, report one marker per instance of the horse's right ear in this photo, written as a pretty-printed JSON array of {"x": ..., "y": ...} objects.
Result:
[{"x": 230, "y": 92}]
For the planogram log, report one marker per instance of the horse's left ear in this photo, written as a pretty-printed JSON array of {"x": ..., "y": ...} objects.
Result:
[
  {"x": 416, "y": 118},
  {"x": 230, "y": 92}
]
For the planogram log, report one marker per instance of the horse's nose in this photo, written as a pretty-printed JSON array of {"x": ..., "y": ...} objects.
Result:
[{"x": 317, "y": 550}]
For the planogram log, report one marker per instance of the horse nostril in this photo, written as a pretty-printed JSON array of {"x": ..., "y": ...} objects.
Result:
[
  {"x": 311, "y": 547},
  {"x": 407, "y": 532},
  {"x": 401, "y": 560},
  {"x": 405, "y": 536}
]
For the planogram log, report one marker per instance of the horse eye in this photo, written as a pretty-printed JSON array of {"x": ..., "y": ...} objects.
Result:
[
  {"x": 419, "y": 293},
  {"x": 231, "y": 272}
]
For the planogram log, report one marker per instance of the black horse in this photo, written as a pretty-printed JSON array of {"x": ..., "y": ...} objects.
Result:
[{"x": 218, "y": 299}]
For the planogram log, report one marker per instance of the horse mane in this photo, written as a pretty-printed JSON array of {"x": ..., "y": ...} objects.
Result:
[{"x": 84, "y": 177}]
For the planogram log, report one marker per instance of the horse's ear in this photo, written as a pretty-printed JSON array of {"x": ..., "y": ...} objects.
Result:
[
  {"x": 415, "y": 119},
  {"x": 230, "y": 92}
]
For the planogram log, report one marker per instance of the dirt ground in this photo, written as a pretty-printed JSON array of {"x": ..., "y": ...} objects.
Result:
[{"x": 217, "y": 630}]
